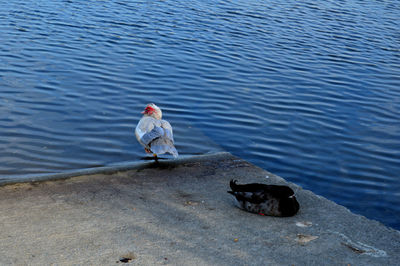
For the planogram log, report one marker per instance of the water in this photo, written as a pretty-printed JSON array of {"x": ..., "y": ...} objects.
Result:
[{"x": 309, "y": 90}]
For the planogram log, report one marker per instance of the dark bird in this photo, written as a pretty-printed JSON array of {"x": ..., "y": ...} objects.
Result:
[{"x": 264, "y": 199}]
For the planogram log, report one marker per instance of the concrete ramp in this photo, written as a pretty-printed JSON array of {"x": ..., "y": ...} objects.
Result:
[{"x": 178, "y": 213}]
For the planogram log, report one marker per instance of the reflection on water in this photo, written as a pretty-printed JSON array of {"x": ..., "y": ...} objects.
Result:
[{"x": 307, "y": 90}]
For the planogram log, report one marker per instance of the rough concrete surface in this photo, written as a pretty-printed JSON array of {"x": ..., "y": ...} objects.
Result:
[{"x": 178, "y": 213}]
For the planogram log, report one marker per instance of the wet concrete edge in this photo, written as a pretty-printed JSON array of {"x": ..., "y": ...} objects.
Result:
[{"x": 114, "y": 168}]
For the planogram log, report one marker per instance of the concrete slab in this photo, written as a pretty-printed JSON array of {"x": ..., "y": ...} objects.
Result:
[{"x": 178, "y": 213}]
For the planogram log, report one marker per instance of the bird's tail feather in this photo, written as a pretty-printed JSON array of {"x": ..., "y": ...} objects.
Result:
[
  {"x": 173, "y": 151},
  {"x": 164, "y": 148}
]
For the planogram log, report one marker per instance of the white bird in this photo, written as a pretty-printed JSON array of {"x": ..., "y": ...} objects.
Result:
[{"x": 155, "y": 134}]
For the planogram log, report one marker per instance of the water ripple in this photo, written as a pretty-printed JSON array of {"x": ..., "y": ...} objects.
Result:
[{"x": 307, "y": 90}]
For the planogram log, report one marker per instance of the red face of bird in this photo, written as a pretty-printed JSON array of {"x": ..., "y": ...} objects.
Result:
[
  {"x": 152, "y": 110},
  {"x": 148, "y": 110}
]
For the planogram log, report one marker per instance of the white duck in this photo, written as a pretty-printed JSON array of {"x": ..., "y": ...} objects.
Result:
[{"x": 155, "y": 134}]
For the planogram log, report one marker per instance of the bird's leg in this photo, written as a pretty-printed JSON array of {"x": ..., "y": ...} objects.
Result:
[{"x": 155, "y": 157}]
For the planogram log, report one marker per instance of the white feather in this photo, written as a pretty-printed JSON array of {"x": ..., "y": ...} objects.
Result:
[{"x": 155, "y": 134}]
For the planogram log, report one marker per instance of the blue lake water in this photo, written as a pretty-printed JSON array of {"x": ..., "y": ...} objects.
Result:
[{"x": 309, "y": 90}]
